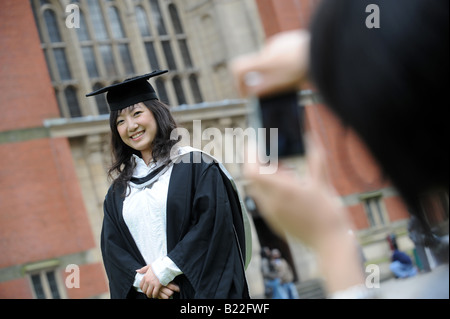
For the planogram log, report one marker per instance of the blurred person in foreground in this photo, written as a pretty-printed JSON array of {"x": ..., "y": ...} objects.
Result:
[{"x": 389, "y": 84}]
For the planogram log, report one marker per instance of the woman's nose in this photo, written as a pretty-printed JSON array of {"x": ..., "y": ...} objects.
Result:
[{"x": 132, "y": 125}]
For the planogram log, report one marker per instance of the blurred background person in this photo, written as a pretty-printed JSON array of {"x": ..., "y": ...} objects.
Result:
[
  {"x": 401, "y": 264},
  {"x": 269, "y": 273},
  {"x": 285, "y": 274}
]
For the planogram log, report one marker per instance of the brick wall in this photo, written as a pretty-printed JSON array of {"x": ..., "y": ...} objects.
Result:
[
  {"x": 90, "y": 285},
  {"x": 42, "y": 213},
  {"x": 351, "y": 166},
  {"x": 285, "y": 15},
  {"x": 27, "y": 98}
]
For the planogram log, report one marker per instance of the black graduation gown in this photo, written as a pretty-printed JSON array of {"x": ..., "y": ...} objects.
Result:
[{"x": 205, "y": 235}]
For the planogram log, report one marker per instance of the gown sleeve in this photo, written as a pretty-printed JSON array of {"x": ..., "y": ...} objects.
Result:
[
  {"x": 120, "y": 256},
  {"x": 208, "y": 252}
]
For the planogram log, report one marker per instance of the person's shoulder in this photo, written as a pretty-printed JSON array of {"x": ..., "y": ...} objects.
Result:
[
  {"x": 110, "y": 192},
  {"x": 198, "y": 162},
  {"x": 115, "y": 193},
  {"x": 191, "y": 155}
]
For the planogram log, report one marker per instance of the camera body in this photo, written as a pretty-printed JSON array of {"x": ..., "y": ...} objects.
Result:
[{"x": 284, "y": 113}]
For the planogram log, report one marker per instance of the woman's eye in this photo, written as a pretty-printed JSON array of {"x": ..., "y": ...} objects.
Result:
[
  {"x": 137, "y": 113},
  {"x": 119, "y": 122}
]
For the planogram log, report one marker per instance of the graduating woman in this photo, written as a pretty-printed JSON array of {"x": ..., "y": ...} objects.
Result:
[{"x": 174, "y": 225}]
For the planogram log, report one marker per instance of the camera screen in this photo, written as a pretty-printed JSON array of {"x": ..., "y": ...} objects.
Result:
[{"x": 284, "y": 113}]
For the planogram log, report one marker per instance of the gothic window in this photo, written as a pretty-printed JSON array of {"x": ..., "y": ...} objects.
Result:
[
  {"x": 83, "y": 32},
  {"x": 126, "y": 58},
  {"x": 54, "y": 46},
  {"x": 179, "y": 90},
  {"x": 375, "y": 211},
  {"x": 45, "y": 285},
  {"x": 116, "y": 24},
  {"x": 142, "y": 22},
  {"x": 185, "y": 53},
  {"x": 175, "y": 19},
  {"x": 195, "y": 88},
  {"x": 87, "y": 48},
  {"x": 106, "y": 53},
  {"x": 45, "y": 280},
  {"x": 151, "y": 54},
  {"x": 101, "y": 100},
  {"x": 52, "y": 26},
  {"x": 97, "y": 20},
  {"x": 161, "y": 90},
  {"x": 100, "y": 52},
  {"x": 62, "y": 64},
  {"x": 157, "y": 17},
  {"x": 169, "y": 55},
  {"x": 89, "y": 60},
  {"x": 182, "y": 44},
  {"x": 72, "y": 101},
  {"x": 166, "y": 47}
]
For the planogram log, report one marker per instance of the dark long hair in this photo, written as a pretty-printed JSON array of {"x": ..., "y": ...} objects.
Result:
[
  {"x": 122, "y": 167},
  {"x": 390, "y": 84}
]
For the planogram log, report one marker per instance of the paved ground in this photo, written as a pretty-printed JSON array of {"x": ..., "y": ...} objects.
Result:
[{"x": 430, "y": 285}]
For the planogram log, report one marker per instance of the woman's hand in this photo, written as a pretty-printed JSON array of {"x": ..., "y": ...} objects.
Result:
[{"x": 151, "y": 286}]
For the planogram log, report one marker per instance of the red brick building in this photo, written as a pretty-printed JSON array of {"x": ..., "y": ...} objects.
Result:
[
  {"x": 46, "y": 221},
  {"x": 43, "y": 221},
  {"x": 54, "y": 141}
]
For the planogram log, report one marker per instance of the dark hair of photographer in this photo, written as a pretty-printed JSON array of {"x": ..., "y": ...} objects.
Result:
[{"x": 390, "y": 84}]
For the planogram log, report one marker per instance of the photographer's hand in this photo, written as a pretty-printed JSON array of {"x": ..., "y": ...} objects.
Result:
[
  {"x": 282, "y": 65},
  {"x": 308, "y": 208}
]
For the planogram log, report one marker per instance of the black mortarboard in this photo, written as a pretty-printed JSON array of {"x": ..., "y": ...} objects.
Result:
[{"x": 130, "y": 91}]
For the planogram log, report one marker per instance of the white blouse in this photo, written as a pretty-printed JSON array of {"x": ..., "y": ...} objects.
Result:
[{"x": 144, "y": 212}]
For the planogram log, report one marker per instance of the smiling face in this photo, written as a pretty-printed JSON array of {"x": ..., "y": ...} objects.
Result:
[{"x": 137, "y": 128}]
